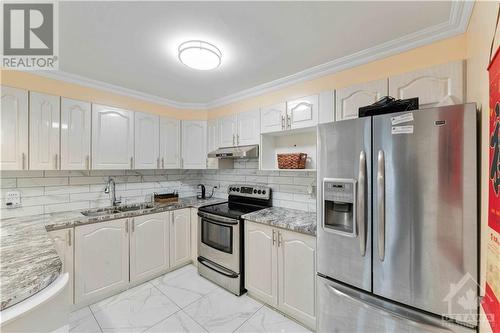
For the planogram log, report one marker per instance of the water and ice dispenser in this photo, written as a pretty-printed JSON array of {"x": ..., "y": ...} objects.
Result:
[{"x": 339, "y": 204}]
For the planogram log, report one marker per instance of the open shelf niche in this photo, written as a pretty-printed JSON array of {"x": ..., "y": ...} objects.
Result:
[{"x": 292, "y": 141}]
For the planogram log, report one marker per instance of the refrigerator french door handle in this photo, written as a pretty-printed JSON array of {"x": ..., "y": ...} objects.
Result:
[
  {"x": 361, "y": 204},
  {"x": 416, "y": 321},
  {"x": 381, "y": 204}
]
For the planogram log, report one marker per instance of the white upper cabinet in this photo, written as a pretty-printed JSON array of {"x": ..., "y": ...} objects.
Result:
[
  {"x": 435, "y": 86},
  {"x": 302, "y": 112},
  {"x": 194, "y": 144},
  {"x": 170, "y": 146},
  {"x": 272, "y": 118},
  {"x": 44, "y": 131},
  {"x": 75, "y": 134},
  {"x": 112, "y": 138},
  {"x": 227, "y": 131},
  {"x": 248, "y": 128},
  {"x": 14, "y": 129},
  {"x": 350, "y": 99},
  {"x": 213, "y": 134},
  {"x": 326, "y": 107},
  {"x": 147, "y": 141}
]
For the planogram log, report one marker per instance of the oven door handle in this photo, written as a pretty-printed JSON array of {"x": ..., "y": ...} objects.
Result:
[
  {"x": 217, "y": 268},
  {"x": 218, "y": 219}
]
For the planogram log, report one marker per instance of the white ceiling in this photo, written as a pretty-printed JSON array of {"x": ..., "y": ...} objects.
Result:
[{"x": 133, "y": 44}]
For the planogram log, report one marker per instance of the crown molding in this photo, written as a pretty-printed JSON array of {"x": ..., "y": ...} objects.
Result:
[{"x": 457, "y": 23}]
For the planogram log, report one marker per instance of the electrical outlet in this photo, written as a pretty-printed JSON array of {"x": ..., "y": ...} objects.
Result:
[{"x": 13, "y": 199}]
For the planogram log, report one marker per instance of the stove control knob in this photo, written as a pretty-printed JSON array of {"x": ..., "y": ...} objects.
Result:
[
  {"x": 259, "y": 191},
  {"x": 237, "y": 189},
  {"x": 264, "y": 192},
  {"x": 254, "y": 191}
]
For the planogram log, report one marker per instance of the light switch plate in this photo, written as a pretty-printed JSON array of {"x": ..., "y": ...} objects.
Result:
[{"x": 13, "y": 199}]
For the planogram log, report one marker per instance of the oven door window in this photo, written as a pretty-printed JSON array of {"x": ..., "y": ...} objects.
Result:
[{"x": 217, "y": 235}]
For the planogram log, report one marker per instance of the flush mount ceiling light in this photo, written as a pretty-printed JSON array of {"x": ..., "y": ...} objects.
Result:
[{"x": 200, "y": 55}]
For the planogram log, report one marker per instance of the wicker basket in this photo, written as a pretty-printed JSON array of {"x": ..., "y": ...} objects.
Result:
[{"x": 292, "y": 161}]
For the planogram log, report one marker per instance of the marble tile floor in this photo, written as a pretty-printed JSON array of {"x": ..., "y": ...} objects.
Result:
[{"x": 179, "y": 301}]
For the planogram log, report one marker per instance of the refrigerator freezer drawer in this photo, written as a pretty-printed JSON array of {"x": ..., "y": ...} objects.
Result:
[{"x": 345, "y": 310}]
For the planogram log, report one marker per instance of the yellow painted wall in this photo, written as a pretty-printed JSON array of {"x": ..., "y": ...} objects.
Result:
[
  {"x": 479, "y": 36},
  {"x": 38, "y": 83},
  {"x": 436, "y": 53}
]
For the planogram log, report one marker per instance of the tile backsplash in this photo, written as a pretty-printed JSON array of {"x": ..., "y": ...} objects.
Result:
[{"x": 54, "y": 191}]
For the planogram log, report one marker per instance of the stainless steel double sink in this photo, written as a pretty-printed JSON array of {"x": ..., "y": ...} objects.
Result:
[{"x": 116, "y": 209}]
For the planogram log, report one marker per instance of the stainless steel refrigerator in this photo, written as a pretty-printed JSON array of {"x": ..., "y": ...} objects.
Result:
[{"x": 397, "y": 222}]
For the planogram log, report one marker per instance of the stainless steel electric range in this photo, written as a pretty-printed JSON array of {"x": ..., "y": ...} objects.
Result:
[{"x": 220, "y": 235}]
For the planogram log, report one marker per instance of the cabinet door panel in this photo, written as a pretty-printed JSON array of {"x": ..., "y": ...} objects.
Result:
[
  {"x": 14, "y": 129},
  {"x": 180, "y": 237},
  {"x": 261, "y": 277},
  {"x": 112, "y": 138},
  {"x": 297, "y": 276},
  {"x": 435, "y": 86},
  {"x": 213, "y": 134},
  {"x": 149, "y": 246},
  {"x": 147, "y": 141},
  {"x": 350, "y": 99},
  {"x": 102, "y": 261},
  {"x": 75, "y": 134},
  {"x": 272, "y": 118},
  {"x": 248, "y": 128},
  {"x": 194, "y": 144},
  {"x": 227, "y": 131},
  {"x": 303, "y": 112},
  {"x": 44, "y": 131},
  {"x": 64, "y": 244},
  {"x": 170, "y": 148}
]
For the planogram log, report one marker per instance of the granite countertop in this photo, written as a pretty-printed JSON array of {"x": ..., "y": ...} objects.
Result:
[
  {"x": 29, "y": 260},
  {"x": 286, "y": 218}
]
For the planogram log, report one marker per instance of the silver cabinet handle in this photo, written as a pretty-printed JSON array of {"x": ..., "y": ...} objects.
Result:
[
  {"x": 88, "y": 162},
  {"x": 361, "y": 206},
  {"x": 289, "y": 121},
  {"x": 381, "y": 205},
  {"x": 126, "y": 226},
  {"x": 282, "y": 122},
  {"x": 237, "y": 139},
  {"x": 131, "y": 162},
  {"x": 56, "y": 160},
  {"x": 233, "y": 140},
  {"x": 162, "y": 163},
  {"x": 274, "y": 237},
  {"x": 280, "y": 239},
  {"x": 133, "y": 225},
  {"x": 69, "y": 237},
  {"x": 157, "y": 162},
  {"x": 23, "y": 160}
]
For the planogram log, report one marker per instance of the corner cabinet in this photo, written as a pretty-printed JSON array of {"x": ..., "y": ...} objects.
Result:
[
  {"x": 435, "y": 86},
  {"x": 101, "y": 259},
  {"x": 280, "y": 270},
  {"x": 180, "y": 237},
  {"x": 44, "y": 138},
  {"x": 194, "y": 144},
  {"x": 112, "y": 138},
  {"x": 350, "y": 99},
  {"x": 75, "y": 134},
  {"x": 64, "y": 244},
  {"x": 14, "y": 129},
  {"x": 170, "y": 145},
  {"x": 149, "y": 246},
  {"x": 147, "y": 141}
]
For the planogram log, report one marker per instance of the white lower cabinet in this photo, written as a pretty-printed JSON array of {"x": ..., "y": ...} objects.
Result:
[
  {"x": 180, "y": 237},
  {"x": 101, "y": 259},
  {"x": 280, "y": 270},
  {"x": 149, "y": 246},
  {"x": 64, "y": 243}
]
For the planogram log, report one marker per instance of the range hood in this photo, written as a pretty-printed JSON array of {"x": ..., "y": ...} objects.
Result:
[{"x": 251, "y": 151}]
